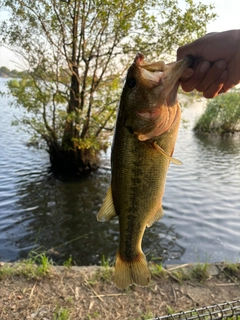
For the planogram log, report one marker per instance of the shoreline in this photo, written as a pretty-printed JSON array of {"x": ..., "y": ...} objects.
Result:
[{"x": 87, "y": 293}]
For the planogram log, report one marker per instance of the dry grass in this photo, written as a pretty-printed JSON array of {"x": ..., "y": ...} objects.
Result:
[{"x": 87, "y": 293}]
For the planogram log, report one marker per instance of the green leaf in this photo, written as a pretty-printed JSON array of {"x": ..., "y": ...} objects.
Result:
[{"x": 77, "y": 54}]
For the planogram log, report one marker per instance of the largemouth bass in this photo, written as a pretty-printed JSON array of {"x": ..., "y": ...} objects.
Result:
[{"x": 144, "y": 139}]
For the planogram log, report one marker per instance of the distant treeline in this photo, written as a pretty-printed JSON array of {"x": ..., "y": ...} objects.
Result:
[{"x": 6, "y": 73}]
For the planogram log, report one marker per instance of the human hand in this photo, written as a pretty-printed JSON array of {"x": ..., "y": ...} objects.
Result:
[{"x": 217, "y": 66}]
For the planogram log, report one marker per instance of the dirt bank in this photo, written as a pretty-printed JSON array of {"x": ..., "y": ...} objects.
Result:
[{"x": 88, "y": 293}]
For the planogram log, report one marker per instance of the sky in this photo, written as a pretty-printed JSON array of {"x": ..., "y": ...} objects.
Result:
[{"x": 228, "y": 18}]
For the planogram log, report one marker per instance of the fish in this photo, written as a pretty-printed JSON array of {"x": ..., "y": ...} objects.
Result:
[{"x": 145, "y": 134}]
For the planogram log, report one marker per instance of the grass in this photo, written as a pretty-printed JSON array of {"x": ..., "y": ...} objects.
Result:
[
  {"x": 169, "y": 310},
  {"x": 6, "y": 271},
  {"x": 157, "y": 270},
  {"x": 61, "y": 314},
  {"x": 104, "y": 274},
  {"x": 38, "y": 265},
  {"x": 232, "y": 269},
  {"x": 93, "y": 315},
  {"x": 93, "y": 299},
  {"x": 35, "y": 266},
  {"x": 40, "y": 261},
  {"x": 180, "y": 275},
  {"x": 68, "y": 263},
  {"x": 105, "y": 262},
  {"x": 146, "y": 316},
  {"x": 222, "y": 114},
  {"x": 200, "y": 272}
]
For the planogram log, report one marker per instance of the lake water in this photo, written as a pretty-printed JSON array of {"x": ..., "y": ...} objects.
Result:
[{"x": 58, "y": 215}]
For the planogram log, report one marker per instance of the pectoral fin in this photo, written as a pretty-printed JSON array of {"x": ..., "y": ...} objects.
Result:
[
  {"x": 107, "y": 211},
  {"x": 157, "y": 217},
  {"x": 157, "y": 147}
]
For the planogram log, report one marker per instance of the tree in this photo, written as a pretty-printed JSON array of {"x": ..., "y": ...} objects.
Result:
[
  {"x": 4, "y": 70},
  {"x": 75, "y": 52}
]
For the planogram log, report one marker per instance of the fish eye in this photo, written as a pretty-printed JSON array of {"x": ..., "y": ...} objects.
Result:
[{"x": 131, "y": 82}]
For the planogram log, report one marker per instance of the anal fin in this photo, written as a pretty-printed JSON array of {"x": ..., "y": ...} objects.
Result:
[
  {"x": 157, "y": 217},
  {"x": 107, "y": 211}
]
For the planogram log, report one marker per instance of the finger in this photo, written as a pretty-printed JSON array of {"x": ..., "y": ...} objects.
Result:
[
  {"x": 212, "y": 76},
  {"x": 229, "y": 84},
  {"x": 182, "y": 52},
  {"x": 216, "y": 87},
  {"x": 187, "y": 74},
  {"x": 191, "y": 49},
  {"x": 225, "y": 89},
  {"x": 197, "y": 77}
]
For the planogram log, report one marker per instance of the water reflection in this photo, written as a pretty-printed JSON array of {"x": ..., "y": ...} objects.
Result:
[
  {"x": 60, "y": 211},
  {"x": 60, "y": 217},
  {"x": 162, "y": 243},
  {"x": 204, "y": 195},
  {"x": 226, "y": 144}
]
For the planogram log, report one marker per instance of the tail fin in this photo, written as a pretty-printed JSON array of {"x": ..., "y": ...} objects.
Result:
[{"x": 127, "y": 273}]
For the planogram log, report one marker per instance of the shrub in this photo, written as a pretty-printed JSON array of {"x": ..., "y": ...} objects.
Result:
[{"x": 222, "y": 114}]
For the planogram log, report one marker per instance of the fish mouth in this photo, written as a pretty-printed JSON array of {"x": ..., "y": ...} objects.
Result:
[
  {"x": 150, "y": 91},
  {"x": 163, "y": 80},
  {"x": 167, "y": 75}
]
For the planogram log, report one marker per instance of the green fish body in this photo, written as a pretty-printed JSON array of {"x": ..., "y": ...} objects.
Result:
[{"x": 144, "y": 139}]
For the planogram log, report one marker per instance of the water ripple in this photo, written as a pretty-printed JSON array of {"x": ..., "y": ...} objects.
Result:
[{"x": 201, "y": 202}]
